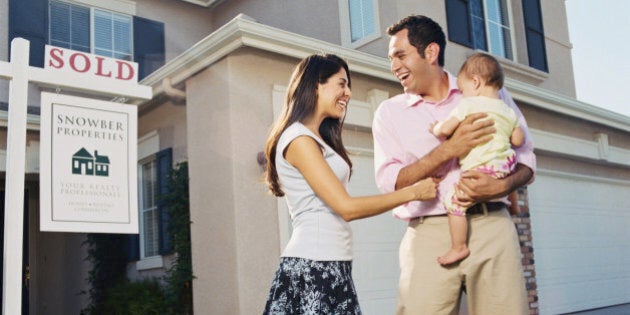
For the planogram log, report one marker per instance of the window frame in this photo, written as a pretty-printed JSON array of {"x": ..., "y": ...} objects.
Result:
[
  {"x": 154, "y": 207},
  {"x": 510, "y": 16},
  {"x": 464, "y": 34},
  {"x": 346, "y": 28},
  {"x": 148, "y": 147},
  {"x": 93, "y": 7}
]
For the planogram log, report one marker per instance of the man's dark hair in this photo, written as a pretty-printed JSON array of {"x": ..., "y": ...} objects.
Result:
[{"x": 422, "y": 31}]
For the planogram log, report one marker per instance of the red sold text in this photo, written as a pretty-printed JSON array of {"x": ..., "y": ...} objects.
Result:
[{"x": 84, "y": 63}]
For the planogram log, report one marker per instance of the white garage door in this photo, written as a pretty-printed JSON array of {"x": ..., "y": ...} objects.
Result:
[
  {"x": 581, "y": 240},
  {"x": 376, "y": 241}
]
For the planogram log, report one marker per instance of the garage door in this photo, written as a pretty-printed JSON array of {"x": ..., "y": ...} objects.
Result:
[
  {"x": 581, "y": 240},
  {"x": 376, "y": 241}
]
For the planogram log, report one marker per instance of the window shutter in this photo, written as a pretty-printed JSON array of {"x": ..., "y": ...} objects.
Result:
[
  {"x": 535, "y": 35},
  {"x": 29, "y": 19},
  {"x": 133, "y": 247},
  {"x": 458, "y": 22},
  {"x": 148, "y": 39},
  {"x": 164, "y": 161}
]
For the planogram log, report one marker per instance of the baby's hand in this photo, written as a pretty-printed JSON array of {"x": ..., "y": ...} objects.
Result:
[{"x": 434, "y": 128}]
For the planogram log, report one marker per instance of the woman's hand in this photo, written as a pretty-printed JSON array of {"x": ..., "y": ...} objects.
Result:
[{"x": 426, "y": 189}]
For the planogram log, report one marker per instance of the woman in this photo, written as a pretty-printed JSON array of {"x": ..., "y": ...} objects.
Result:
[{"x": 310, "y": 166}]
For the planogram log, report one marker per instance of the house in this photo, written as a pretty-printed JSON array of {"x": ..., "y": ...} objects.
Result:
[
  {"x": 101, "y": 164},
  {"x": 219, "y": 70},
  {"x": 82, "y": 163}
]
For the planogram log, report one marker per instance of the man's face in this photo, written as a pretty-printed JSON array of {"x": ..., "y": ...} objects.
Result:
[{"x": 407, "y": 65}]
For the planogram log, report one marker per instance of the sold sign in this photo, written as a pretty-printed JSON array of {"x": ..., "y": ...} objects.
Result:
[{"x": 90, "y": 64}]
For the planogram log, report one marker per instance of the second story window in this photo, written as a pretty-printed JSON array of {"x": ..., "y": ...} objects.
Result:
[
  {"x": 481, "y": 24},
  {"x": 91, "y": 30},
  {"x": 359, "y": 20}
]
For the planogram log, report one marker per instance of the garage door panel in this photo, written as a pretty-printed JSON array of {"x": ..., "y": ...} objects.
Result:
[
  {"x": 376, "y": 241},
  {"x": 580, "y": 236}
]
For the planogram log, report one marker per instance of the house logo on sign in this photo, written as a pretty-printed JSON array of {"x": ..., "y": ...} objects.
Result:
[{"x": 83, "y": 163}]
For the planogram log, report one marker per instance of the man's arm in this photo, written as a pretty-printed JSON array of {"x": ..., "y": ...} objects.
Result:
[
  {"x": 469, "y": 134},
  {"x": 479, "y": 187}
]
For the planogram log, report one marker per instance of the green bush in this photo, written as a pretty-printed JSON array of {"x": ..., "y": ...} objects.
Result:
[
  {"x": 179, "y": 277},
  {"x": 112, "y": 293},
  {"x": 134, "y": 298}
]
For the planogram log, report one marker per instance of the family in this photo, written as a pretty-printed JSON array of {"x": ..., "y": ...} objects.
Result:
[{"x": 447, "y": 154}]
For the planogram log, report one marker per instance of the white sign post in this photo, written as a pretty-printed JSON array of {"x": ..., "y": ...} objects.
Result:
[{"x": 20, "y": 74}]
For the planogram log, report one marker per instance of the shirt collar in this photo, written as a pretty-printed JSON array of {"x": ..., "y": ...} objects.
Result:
[{"x": 414, "y": 99}]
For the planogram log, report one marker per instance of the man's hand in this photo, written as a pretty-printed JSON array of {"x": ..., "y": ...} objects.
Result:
[
  {"x": 476, "y": 187},
  {"x": 471, "y": 132}
]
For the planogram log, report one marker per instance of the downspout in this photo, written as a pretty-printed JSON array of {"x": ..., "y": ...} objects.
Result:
[{"x": 176, "y": 95}]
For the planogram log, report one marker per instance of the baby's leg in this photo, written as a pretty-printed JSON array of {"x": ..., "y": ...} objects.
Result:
[
  {"x": 514, "y": 207},
  {"x": 458, "y": 227}
]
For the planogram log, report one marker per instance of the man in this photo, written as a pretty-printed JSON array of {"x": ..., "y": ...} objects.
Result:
[{"x": 405, "y": 151}]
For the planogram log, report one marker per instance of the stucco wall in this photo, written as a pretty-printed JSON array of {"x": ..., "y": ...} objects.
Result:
[
  {"x": 169, "y": 121},
  {"x": 234, "y": 232},
  {"x": 184, "y": 23}
]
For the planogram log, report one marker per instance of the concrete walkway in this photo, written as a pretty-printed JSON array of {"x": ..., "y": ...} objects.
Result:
[{"x": 623, "y": 309}]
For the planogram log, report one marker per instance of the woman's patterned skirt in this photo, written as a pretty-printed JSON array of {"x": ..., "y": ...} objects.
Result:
[{"x": 304, "y": 286}]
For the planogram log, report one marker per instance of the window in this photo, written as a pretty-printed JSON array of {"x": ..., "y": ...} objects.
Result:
[
  {"x": 91, "y": 30},
  {"x": 149, "y": 229},
  {"x": 111, "y": 29},
  {"x": 153, "y": 241},
  {"x": 359, "y": 20},
  {"x": 481, "y": 24}
]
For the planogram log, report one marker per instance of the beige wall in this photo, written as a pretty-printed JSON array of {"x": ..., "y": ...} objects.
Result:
[
  {"x": 308, "y": 18},
  {"x": 184, "y": 23},
  {"x": 169, "y": 121},
  {"x": 235, "y": 242}
]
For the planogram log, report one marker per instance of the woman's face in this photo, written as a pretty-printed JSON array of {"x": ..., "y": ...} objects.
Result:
[{"x": 333, "y": 95}]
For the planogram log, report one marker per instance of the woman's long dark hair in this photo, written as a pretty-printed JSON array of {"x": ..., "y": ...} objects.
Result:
[{"x": 300, "y": 102}]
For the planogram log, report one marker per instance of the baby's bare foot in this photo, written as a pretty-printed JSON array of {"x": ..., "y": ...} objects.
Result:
[{"x": 453, "y": 256}]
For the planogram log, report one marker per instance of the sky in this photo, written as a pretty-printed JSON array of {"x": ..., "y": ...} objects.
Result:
[{"x": 599, "y": 31}]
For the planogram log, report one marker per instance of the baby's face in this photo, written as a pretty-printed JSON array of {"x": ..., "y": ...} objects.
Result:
[{"x": 466, "y": 85}]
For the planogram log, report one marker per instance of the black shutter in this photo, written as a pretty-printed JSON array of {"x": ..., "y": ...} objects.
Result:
[
  {"x": 164, "y": 161},
  {"x": 458, "y": 22},
  {"x": 133, "y": 247},
  {"x": 29, "y": 19},
  {"x": 535, "y": 35},
  {"x": 148, "y": 41}
]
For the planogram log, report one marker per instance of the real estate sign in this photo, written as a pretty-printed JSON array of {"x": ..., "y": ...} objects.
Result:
[{"x": 88, "y": 168}]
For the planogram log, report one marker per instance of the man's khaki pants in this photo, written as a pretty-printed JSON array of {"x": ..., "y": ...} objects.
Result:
[{"x": 492, "y": 274}]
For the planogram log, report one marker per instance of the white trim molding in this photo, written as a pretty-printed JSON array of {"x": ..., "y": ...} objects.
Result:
[
  {"x": 596, "y": 150},
  {"x": 204, "y": 3},
  {"x": 150, "y": 263}
]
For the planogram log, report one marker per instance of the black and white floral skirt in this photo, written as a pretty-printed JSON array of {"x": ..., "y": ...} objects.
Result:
[{"x": 304, "y": 286}]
